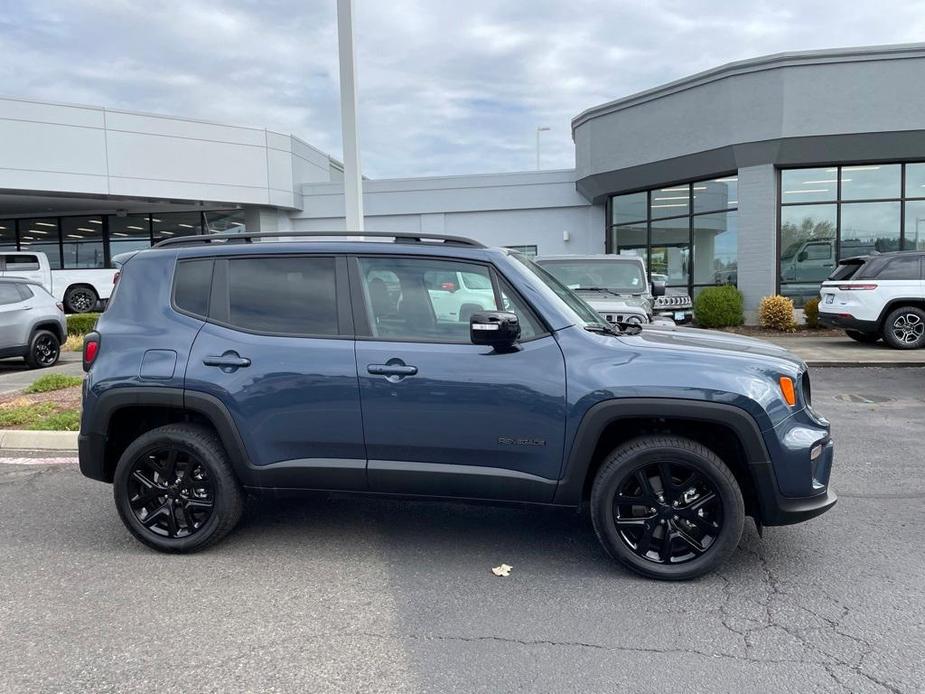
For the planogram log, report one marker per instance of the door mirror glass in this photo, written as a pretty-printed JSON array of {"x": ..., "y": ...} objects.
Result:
[{"x": 499, "y": 329}]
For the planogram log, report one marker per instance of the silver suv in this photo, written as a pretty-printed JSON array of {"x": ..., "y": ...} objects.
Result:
[{"x": 32, "y": 323}]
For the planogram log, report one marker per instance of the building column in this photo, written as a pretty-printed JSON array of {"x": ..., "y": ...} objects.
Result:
[
  {"x": 757, "y": 235},
  {"x": 266, "y": 219}
]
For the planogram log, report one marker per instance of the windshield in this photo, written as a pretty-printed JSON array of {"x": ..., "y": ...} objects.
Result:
[
  {"x": 571, "y": 299},
  {"x": 618, "y": 275}
]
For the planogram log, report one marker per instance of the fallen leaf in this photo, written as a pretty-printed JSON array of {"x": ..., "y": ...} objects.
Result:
[{"x": 503, "y": 570}]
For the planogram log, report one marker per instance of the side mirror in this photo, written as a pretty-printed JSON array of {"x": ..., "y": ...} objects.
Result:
[
  {"x": 498, "y": 329},
  {"x": 658, "y": 287},
  {"x": 802, "y": 256}
]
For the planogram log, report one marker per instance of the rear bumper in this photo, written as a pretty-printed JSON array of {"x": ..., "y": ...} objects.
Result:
[
  {"x": 847, "y": 322},
  {"x": 90, "y": 451}
]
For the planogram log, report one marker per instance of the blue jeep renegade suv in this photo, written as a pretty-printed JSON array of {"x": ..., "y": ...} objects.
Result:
[{"x": 320, "y": 362}]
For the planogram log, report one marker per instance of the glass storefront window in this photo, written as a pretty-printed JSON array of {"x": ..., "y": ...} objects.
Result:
[
  {"x": 870, "y": 182},
  {"x": 629, "y": 208},
  {"x": 718, "y": 194},
  {"x": 629, "y": 237},
  {"x": 915, "y": 225},
  {"x": 716, "y": 248},
  {"x": 82, "y": 242},
  {"x": 670, "y": 250},
  {"x": 915, "y": 180},
  {"x": 670, "y": 202},
  {"x": 225, "y": 222},
  {"x": 8, "y": 234},
  {"x": 41, "y": 235},
  {"x": 867, "y": 227},
  {"x": 169, "y": 225},
  {"x": 807, "y": 241},
  {"x": 808, "y": 185},
  {"x": 129, "y": 233}
]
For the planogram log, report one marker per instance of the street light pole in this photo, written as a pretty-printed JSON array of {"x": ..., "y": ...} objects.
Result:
[
  {"x": 353, "y": 177},
  {"x": 539, "y": 130}
]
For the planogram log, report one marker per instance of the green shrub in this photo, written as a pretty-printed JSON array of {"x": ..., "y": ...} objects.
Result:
[
  {"x": 81, "y": 323},
  {"x": 776, "y": 313},
  {"x": 719, "y": 307},
  {"x": 811, "y": 313},
  {"x": 44, "y": 384}
]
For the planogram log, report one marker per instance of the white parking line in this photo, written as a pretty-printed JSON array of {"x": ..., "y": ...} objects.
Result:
[{"x": 38, "y": 461}]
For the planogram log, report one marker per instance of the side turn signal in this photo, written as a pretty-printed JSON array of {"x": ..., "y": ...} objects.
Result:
[{"x": 788, "y": 390}]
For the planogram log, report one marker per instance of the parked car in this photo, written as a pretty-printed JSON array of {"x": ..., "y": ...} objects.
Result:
[
  {"x": 613, "y": 285},
  {"x": 32, "y": 324},
  {"x": 79, "y": 291},
  {"x": 878, "y": 296},
  {"x": 673, "y": 303},
  {"x": 224, "y": 367}
]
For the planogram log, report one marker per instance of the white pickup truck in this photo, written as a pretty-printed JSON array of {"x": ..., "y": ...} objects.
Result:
[{"x": 79, "y": 290}]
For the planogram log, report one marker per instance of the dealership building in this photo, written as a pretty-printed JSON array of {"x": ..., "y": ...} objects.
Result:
[{"x": 760, "y": 173}]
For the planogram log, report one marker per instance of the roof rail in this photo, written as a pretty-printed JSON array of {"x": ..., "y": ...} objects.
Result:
[{"x": 249, "y": 237}]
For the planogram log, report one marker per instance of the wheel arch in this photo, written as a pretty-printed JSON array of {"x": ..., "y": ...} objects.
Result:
[
  {"x": 613, "y": 422},
  {"x": 52, "y": 327},
  {"x": 893, "y": 304},
  {"x": 119, "y": 415}
]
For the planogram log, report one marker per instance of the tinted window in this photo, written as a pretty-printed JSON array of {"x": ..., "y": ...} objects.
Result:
[
  {"x": 845, "y": 271},
  {"x": 901, "y": 268},
  {"x": 192, "y": 285},
  {"x": 22, "y": 263},
  {"x": 9, "y": 293},
  {"x": 420, "y": 299},
  {"x": 295, "y": 296},
  {"x": 25, "y": 291}
]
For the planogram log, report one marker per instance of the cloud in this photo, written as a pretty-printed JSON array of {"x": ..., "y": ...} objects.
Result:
[{"x": 445, "y": 86}]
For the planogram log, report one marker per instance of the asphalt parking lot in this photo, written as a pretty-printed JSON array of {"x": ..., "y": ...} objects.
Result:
[{"x": 342, "y": 594}]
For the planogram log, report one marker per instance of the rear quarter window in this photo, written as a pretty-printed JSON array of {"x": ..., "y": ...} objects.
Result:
[
  {"x": 901, "y": 268},
  {"x": 192, "y": 286},
  {"x": 21, "y": 263}
]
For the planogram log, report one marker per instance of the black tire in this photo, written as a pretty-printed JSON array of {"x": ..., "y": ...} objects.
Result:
[
  {"x": 724, "y": 517},
  {"x": 44, "y": 350},
  {"x": 198, "y": 459},
  {"x": 866, "y": 338},
  {"x": 466, "y": 311},
  {"x": 80, "y": 299},
  {"x": 904, "y": 328}
]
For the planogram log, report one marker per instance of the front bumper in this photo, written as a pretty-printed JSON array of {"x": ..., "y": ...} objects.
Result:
[{"x": 777, "y": 509}]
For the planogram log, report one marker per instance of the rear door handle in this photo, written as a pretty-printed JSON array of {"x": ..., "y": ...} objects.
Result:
[
  {"x": 391, "y": 370},
  {"x": 228, "y": 360}
]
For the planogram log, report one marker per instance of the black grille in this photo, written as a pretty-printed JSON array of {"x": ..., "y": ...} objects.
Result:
[{"x": 806, "y": 388}]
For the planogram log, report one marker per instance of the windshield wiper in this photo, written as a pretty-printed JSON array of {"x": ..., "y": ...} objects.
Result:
[{"x": 601, "y": 329}]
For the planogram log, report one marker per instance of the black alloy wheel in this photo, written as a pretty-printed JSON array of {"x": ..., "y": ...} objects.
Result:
[
  {"x": 175, "y": 488},
  {"x": 667, "y": 507},
  {"x": 44, "y": 350},
  {"x": 667, "y": 512},
  {"x": 170, "y": 492},
  {"x": 80, "y": 299}
]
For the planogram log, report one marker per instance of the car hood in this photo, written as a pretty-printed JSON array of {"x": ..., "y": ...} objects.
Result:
[
  {"x": 714, "y": 340},
  {"x": 613, "y": 301}
]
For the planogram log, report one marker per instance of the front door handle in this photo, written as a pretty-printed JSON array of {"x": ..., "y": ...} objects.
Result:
[
  {"x": 229, "y": 361},
  {"x": 392, "y": 370}
]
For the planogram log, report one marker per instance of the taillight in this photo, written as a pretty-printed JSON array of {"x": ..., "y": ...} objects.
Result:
[
  {"x": 857, "y": 287},
  {"x": 91, "y": 349}
]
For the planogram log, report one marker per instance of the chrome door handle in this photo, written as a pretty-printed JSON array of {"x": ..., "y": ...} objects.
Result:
[
  {"x": 228, "y": 360},
  {"x": 392, "y": 370}
]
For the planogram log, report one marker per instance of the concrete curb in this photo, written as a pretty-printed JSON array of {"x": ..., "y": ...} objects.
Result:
[
  {"x": 849, "y": 364},
  {"x": 16, "y": 439}
]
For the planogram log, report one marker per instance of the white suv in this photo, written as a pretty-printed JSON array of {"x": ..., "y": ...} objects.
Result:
[{"x": 878, "y": 296}]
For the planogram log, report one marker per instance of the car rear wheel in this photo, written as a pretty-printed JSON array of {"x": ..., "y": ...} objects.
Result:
[
  {"x": 667, "y": 507},
  {"x": 866, "y": 338},
  {"x": 80, "y": 299},
  {"x": 44, "y": 350},
  {"x": 175, "y": 489},
  {"x": 904, "y": 328}
]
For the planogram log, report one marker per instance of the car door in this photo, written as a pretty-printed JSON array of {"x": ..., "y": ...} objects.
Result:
[
  {"x": 277, "y": 351},
  {"x": 15, "y": 317},
  {"x": 445, "y": 417}
]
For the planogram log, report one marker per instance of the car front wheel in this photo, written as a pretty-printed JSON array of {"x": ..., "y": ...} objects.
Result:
[
  {"x": 904, "y": 328},
  {"x": 175, "y": 489},
  {"x": 667, "y": 507}
]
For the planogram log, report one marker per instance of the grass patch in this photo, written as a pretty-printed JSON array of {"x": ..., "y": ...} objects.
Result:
[
  {"x": 81, "y": 323},
  {"x": 40, "y": 416},
  {"x": 50, "y": 382}
]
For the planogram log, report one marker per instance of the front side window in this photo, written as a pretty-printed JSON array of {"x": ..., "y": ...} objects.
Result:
[
  {"x": 283, "y": 295},
  {"x": 424, "y": 299}
]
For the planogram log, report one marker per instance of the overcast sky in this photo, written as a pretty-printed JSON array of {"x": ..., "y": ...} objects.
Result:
[{"x": 445, "y": 86}]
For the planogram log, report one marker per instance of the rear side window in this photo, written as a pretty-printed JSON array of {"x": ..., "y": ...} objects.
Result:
[
  {"x": 192, "y": 286},
  {"x": 9, "y": 293},
  {"x": 901, "y": 268},
  {"x": 285, "y": 295},
  {"x": 21, "y": 263}
]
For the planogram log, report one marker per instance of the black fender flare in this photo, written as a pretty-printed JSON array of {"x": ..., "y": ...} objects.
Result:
[{"x": 603, "y": 414}]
